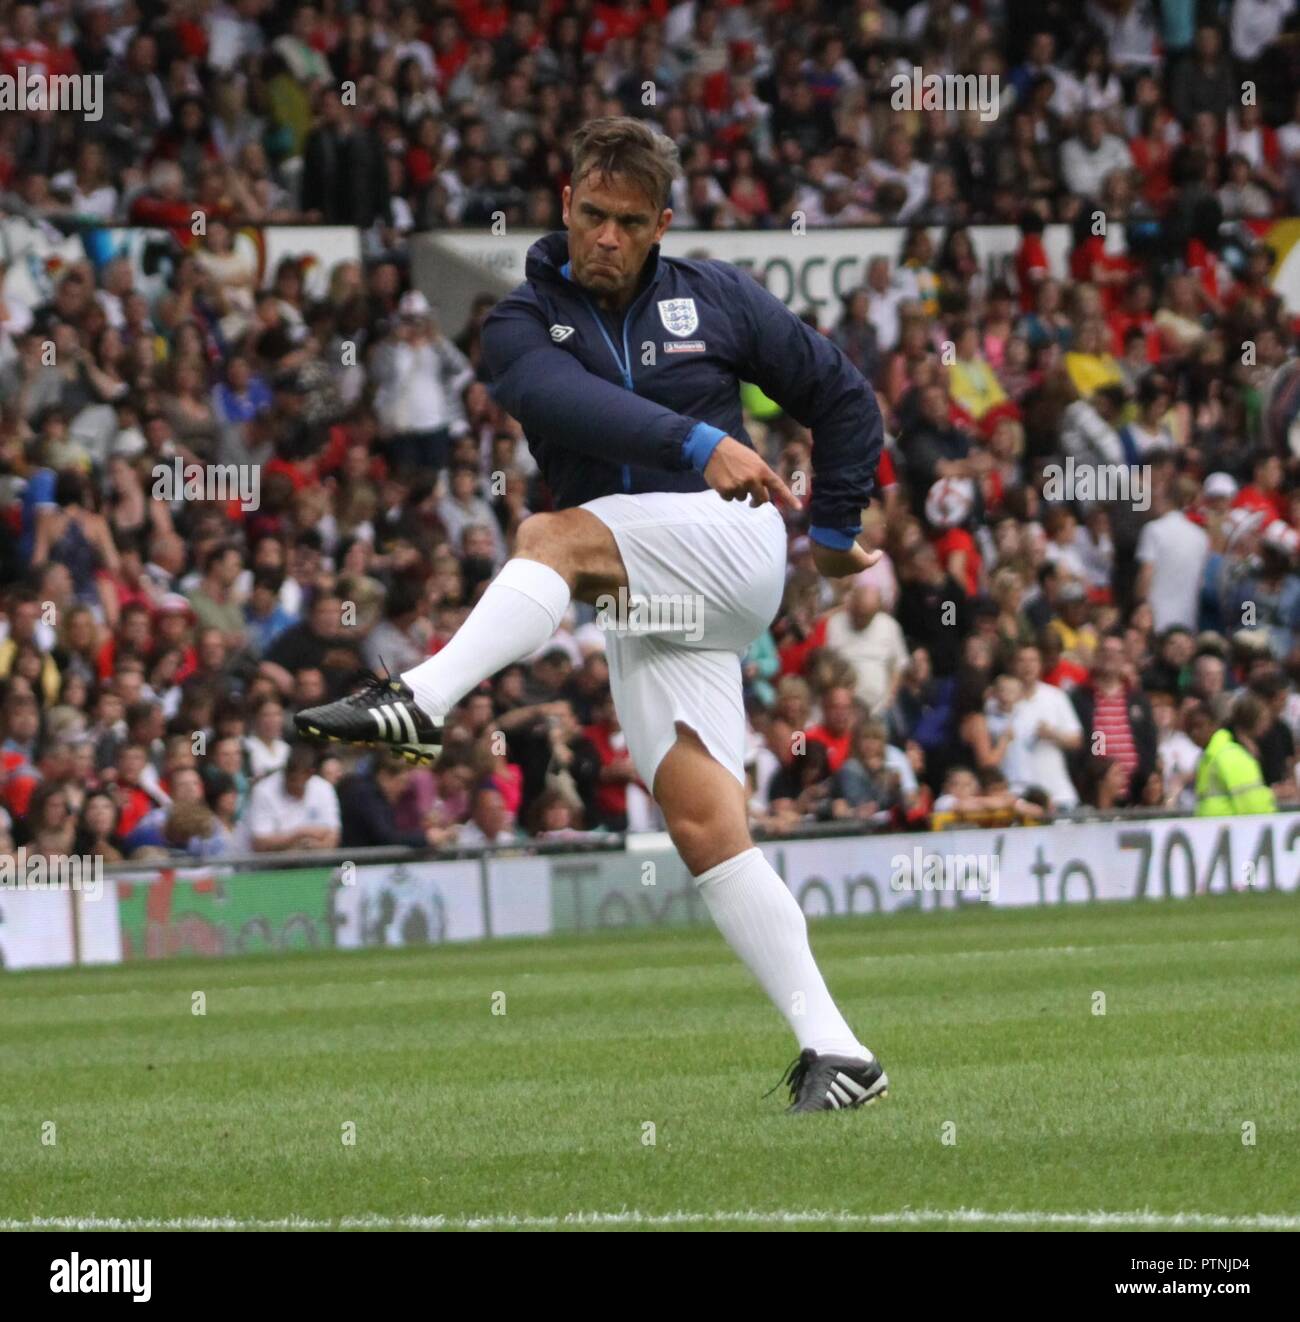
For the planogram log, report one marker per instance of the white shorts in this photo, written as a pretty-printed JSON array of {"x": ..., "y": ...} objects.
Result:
[{"x": 705, "y": 577}]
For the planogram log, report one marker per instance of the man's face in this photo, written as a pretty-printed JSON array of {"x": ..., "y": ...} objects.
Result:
[
  {"x": 1199, "y": 729},
  {"x": 612, "y": 226},
  {"x": 310, "y": 688},
  {"x": 490, "y": 813},
  {"x": 934, "y": 404},
  {"x": 325, "y": 616},
  {"x": 226, "y": 755},
  {"x": 1208, "y": 674},
  {"x": 1028, "y": 666},
  {"x": 24, "y": 721},
  {"x": 229, "y": 568},
  {"x": 1110, "y": 659},
  {"x": 25, "y": 616},
  {"x": 393, "y": 783},
  {"x": 212, "y": 650},
  {"x": 837, "y": 710},
  {"x": 187, "y": 786},
  {"x": 1179, "y": 648},
  {"x": 552, "y": 671},
  {"x": 863, "y": 603}
]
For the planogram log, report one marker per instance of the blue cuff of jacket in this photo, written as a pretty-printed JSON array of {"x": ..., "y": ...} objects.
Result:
[
  {"x": 700, "y": 443},
  {"x": 836, "y": 538}
]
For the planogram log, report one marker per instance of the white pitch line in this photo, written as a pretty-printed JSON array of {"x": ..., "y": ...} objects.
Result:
[
  {"x": 958, "y": 1217},
  {"x": 1007, "y": 952}
]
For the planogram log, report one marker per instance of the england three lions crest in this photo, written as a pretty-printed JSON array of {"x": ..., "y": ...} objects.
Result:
[{"x": 678, "y": 315}]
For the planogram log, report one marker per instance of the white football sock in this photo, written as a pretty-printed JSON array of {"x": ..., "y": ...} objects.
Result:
[
  {"x": 521, "y": 608},
  {"x": 763, "y": 924}
]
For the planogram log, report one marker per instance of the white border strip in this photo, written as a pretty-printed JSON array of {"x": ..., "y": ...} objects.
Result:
[{"x": 955, "y": 1218}]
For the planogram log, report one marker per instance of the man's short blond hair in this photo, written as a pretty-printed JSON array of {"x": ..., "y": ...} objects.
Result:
[{"x": 618, "y": 144}]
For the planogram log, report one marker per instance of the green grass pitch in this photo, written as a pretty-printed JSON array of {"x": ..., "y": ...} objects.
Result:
[{"x": 1013, "y": 1102}]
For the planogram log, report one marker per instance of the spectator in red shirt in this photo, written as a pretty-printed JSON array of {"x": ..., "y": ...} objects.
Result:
[
  {"x": 133, "y": 799},
  {"x": 163, "y": 205},
  {"x": 1153, "y": 156},
  {"x": 1116, "y": 717},
  {"x": 485, "y": 19},
  {"x": 616, "y": 769},
  {"x": 1264, "y": 491},
  {"x": 23, "y": 48},
  {"x": 835, "y": 731},
  {"x": 1032, "y": 267}
]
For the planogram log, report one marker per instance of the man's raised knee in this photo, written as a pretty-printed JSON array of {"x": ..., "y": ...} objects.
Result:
[{"x": 539, "y": 537}]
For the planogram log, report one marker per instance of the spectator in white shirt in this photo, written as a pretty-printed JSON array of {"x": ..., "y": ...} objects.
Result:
[
  {"x": 1131, "y": 33},
  {"x": 1176, "y": 753},
  {"x": 265, "y": 746},
  {"x": 1256, "y": 24},
  {"x": 294, "y": 808},
  {"x": 918, "y": 17},
  {"x": 489, "y": 822},
  {"x": 1171, "y": 554},
  {"x": 873, "y": 645},
  {"x": 884, "y": 298},
  {"x": 464, "y": 508},
  {"x": 1091, "y": 155},
  {"x": 421, "y": 375},
  {"x": 1044, "y": 727},
  {"x": 900, "y": 166}
]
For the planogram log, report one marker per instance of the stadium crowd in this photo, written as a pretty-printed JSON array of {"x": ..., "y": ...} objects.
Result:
[{"x": 1030, "y": 643}]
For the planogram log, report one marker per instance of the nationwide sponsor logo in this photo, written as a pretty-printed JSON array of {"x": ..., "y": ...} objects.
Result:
[
  {"x": 679, "y": 316},
  {"x": 559, "y": 333},
  {"x": 78, "y": 1275},
  {"x": 683, "y": 346}
]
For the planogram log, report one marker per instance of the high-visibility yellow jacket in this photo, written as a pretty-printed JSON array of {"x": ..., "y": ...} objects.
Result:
[{"x": 1228, "y": 780}]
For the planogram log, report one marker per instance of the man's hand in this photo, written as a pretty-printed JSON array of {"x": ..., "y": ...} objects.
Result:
[
  {"x": 735, "y": 472},
  {"x": 837, "y": 564}
]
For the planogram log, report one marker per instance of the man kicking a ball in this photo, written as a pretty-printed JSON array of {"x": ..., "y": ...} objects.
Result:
[{"x": 623, "y": 366}]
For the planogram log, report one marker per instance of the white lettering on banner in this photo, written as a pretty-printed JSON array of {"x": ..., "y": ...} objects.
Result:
[
  {"x": 429, "y": 902},
  {"x": 1066, "y": 863}
]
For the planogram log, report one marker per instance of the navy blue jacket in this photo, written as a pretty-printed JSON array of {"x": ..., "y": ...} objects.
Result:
[{"x": 638, "y": 403}]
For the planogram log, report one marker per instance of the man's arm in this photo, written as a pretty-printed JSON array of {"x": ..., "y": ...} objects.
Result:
[
  {"x": 550, "y": 392},
  {"x": 812, "y": 380},
  {"x": 1146, "y": 558},
  {"x": 1065, "y": 729}
]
